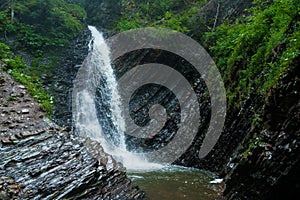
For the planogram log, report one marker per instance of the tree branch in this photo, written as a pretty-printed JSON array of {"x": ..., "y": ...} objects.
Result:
[{"x": 216, "y": 17}]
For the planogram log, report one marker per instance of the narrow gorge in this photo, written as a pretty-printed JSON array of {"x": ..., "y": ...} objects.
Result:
[{"x": 69, "y": 129}]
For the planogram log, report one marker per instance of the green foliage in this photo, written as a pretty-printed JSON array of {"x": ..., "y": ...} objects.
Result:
[
  {"x": 253, "y": 54},
  {"x": 4, "y": 21},
  {"x": 16, "y": 67},
  {"x": 252, "y": 144},
  {"x": 43, "y": 25},
  {"x": 39, "y": 26},
  {"x": 172, "y": 22},
  {"x": 34, "y": 87},
  {"x": 256, "y": 121},
  {"x": 172, "y": 14},
  {"x": 125, "y": 24},
  {"x": 4, "y": 51},
  {"x": 10, "y": 98},
  {"x": 101, "y": 13}
]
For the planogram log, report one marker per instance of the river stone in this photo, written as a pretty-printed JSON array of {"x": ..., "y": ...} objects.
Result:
[
  {"x": 21, "y": 86},
  {"x": 25, "y": 111}
]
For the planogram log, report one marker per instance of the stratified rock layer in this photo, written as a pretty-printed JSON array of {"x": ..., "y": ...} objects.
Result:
[
  {"x": 267, "y": 163},
  {"x": 40, "y": 160},
  {"x": 53, "y": 164}
]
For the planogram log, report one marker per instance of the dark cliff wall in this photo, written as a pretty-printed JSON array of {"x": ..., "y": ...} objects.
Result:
[
  {"x": 267, "y": 163},
  {"x": 60, "y": 82}
]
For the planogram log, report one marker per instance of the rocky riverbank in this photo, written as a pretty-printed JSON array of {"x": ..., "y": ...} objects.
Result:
[{"x": 42, "y": 160}]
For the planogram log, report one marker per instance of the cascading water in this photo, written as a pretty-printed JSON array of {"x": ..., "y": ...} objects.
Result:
[
  {"x": 97, "y": 114},
  {"x": 99, "y": 59},
  {"x": 103, "y": 121}
]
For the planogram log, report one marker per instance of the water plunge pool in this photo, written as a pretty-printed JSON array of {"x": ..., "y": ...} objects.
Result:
[{"x": 175, "y": 182}]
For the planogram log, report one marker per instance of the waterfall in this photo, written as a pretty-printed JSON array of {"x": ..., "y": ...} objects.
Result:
[
  {"x": 101, "y": 61},
  {"x": 97, "y": 106}
]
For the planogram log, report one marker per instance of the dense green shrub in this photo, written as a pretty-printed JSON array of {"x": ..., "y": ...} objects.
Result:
[
  {"x": 253, "y": 53},
  {"x": 42, "y": 25},
  {"x": 4, "y": 51},
  {"x": 172, "y": 14},
  {"x": 39, "y": 26}
]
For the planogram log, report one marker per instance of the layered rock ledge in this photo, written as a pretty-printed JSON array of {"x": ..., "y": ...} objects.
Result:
[{"x": 40, "y": 160}]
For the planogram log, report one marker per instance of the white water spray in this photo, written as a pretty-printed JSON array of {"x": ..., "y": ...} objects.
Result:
[{"x": 96, "y": 66}]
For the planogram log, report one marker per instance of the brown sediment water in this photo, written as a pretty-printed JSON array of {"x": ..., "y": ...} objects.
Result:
[{"x": 175, "y": 182}]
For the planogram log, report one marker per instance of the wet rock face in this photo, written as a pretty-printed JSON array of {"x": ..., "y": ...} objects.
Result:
[
  {"x": 237, "y": 122},
  {"x": 60, "y": 84},
  {"x": 151, "y": 94},
  {"x": 236, "y": 129},
  {"x": 271, "y": 169}
]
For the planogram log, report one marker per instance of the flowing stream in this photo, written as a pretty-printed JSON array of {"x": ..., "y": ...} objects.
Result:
[{"x": 97, "y": 114}]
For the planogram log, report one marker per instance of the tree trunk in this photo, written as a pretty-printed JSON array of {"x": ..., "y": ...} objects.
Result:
[{"x": 12, "y": 10}]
